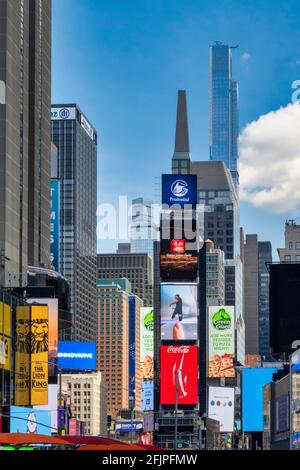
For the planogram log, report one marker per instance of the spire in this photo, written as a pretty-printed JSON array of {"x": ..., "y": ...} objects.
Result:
[
  {"x": 182, "y": 132},
  {"x": 181, "y": 158}
]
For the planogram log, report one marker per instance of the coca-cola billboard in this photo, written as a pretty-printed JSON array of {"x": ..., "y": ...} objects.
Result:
[{"x": 179, "y": 364}]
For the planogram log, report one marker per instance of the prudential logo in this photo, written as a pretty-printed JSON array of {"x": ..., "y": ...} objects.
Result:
[{"x": 179, "y": 188}]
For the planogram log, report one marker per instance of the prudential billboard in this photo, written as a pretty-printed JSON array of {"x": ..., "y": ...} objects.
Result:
[
  {"x": 179, "y": 190},
  {"x": 73, "y": 355}
]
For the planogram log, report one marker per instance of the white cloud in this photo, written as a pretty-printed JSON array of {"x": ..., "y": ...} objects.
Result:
[
  {"x": 245, "y": 57},
  {"x": 269, "y": 165},
  {"x": 297, "y": 62}
]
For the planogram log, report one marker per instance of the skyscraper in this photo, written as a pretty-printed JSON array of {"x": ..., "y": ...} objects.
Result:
[
  {"x": 218, "y": 196},
  {"x": 113, "y": 340},
  {"x": 256, "y": 294},
  {"x": 25, "y": 57},
  {"x": 143, "y": 231},
  {"x": 136, "y": 267},
  {"x": 76, "y": 141},
  {"x": 224, "y": 120}
]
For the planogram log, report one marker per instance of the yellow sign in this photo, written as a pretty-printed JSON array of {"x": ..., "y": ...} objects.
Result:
[
  {"x": 39, "y": 336},
  {"x": 5, "y": 336},
  {"x": 5, "y": 324},
  {"x": 22, "y": 356}
]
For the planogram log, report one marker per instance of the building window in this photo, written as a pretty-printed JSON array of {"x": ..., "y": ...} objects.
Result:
[
  {"x": 290, "y": 245},
  {"x": 297, "y": 245},
  {"x": 287, "y": 258},
  {"x": 298, "y": 258}
]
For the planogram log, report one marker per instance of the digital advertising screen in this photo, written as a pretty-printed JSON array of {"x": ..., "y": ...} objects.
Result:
[
  {"x": 73, "y": 355},
  {"x": 30, "y": 420},
  {"x": 178, "y": 250},
  {"x": 179, "y": 190},
  {"x": 179, "y": 365},
  {"x": 221, "y": 342},
  {"x": 147, "y": 343},
  {"x": 179, "y": 311},
  {"x": 147, "y": 395},
  {"x": 253, "y": 381},
  {"x": 221, "y": 407}
]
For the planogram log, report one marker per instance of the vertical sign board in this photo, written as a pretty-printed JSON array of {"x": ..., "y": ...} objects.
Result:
[
  {"x": 147, "y": 348},
  {"x": 221, "y": 342},
  {"x": 132, "y": 329},
  {"x": 39, "y": 355},
  {"x": 52, "y": 333},
  {"x": 22, "y": 356},
  {"x": 55, "y": 224},
  {"x": 179, "y": 364},
  {"x": 5, "y": 336},
  {"x": 221, "y": 407}
]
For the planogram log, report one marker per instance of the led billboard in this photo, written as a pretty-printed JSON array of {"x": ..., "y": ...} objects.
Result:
[
  {"x": 221, "y": 342},
  {"x": 147, "y": 395},
  {"x": 73, "y": 355},
  {"x": 30, "y": 420},
  {"x": 179, "y": 364},
  {"x": 180, "y": 190},
  {"x": 147, "y": 346},
  {"x": 179, "y": 311},
  {"x": 221, "y": 407},
  {"x": 253, "y": 381},
  {"x": 178, "y": 249}
]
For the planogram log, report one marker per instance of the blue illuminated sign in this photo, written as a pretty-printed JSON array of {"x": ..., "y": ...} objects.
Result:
[
  {"x": 73, "y": 355},
  {"x": 55, "y": 224},
  {"x": 180, "y": 190},
  {"x": 253, "y": 381},
  {"x": 147, "y": 395},
  {"x": 30, "y": 420},
  {"x": 126, "y": 426}
]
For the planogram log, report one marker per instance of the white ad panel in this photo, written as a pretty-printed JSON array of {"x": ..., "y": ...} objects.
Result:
[{"x": 221, "y": 407}]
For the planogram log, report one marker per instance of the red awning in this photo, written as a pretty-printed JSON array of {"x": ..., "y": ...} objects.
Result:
[{"x": 23, "y": 438}]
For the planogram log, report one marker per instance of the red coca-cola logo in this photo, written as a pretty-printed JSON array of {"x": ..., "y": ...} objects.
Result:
[{"x": 178, "y": 349}]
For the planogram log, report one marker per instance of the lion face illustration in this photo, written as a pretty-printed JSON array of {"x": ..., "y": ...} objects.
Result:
[
  {"x": 23, "y": 336},
  {"x": 39, "y": 336}
]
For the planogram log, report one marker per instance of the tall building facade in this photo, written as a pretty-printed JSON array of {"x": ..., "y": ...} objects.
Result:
[
  {"x": 76, "y": 141},
  {"x": 143, "y": 231},
  {"x": 136, "y": 267},
  {"x": 25, "y": 138},
  {"x": 224, "y": 119},
  {"x": 113, "y": 341},
  {"x": 291, "y": 252},
  {"x": 88, "y": 393},
  {"x": 257, "y": 256},
  {"x": 215, "y": 275},
  {"x": 219, "y": 199},
  {"x": 264, "y": 258}
]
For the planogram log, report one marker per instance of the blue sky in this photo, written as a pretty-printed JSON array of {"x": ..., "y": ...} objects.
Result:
[{"x": 123, "y": 61}]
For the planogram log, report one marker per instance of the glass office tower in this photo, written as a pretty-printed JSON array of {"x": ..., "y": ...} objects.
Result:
[
  {"x": 76, "y": 141},
  {"x": 224, "y": 119}
]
